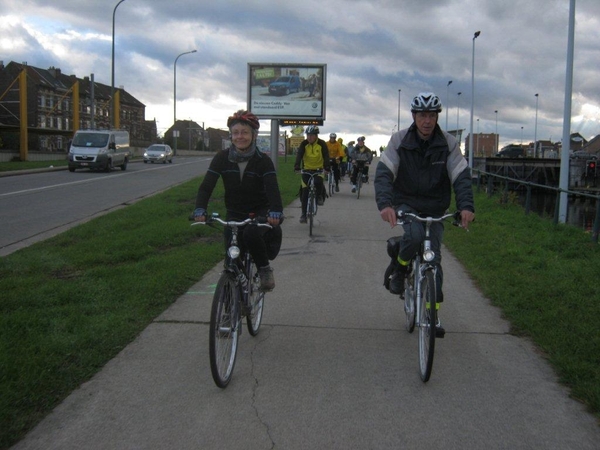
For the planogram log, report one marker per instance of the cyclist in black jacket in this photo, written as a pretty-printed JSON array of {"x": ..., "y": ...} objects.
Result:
[
  {"x": 250, "y": 182},
  {"x": 416, "y": 173}
]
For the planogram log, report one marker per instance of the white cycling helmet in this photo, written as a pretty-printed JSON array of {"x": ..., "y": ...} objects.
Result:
[
  {"x": 426, "y": 101},
  {"x": 312, "y": 129}
]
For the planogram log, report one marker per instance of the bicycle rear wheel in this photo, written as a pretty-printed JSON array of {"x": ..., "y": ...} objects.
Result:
[
  {"x": 256, "y": 299},
  {"x": 224, "y": 329},
  {"x": 427, "y": 321}
]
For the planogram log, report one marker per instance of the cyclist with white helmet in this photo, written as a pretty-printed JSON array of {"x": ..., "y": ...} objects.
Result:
[
  {"x": 416, "y": 173},
  {"x": 336, "y": 152},
  {"x": 312, "y": 155}
]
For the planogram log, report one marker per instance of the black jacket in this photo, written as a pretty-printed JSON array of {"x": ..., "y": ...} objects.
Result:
[
  {"x": 256, "y": 192},
  {"x": 423, "y": 178}
]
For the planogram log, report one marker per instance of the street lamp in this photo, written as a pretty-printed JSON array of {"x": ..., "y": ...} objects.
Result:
[
  {"x": 399, "y": 97},
  {"x": 477, "y": 33},
  {"x": 457, "y": 111},
  {"x": 175, "y": 98},
  {"x": 521, "y": 136},
  {"x": 112, "y": 85},
  {"x": 447, "y": 101},
  {"x": 537, "y": 97},
  {"x": 478, "y": 137},
  {"x": 496, "y": 130}
]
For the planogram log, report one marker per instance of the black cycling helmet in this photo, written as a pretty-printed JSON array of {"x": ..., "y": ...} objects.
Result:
[
  {"x": 426, "y": 101},
  {"x": 332, "y": 135},
  {"x": 312, "y": 129},
  {"x": 246, "y": 117}
]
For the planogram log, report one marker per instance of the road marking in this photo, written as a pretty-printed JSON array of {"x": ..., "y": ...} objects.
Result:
[{"x": 122, "y": 173}]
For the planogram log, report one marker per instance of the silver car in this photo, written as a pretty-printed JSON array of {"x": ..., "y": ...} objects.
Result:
[{"x": 158, "y": 153}]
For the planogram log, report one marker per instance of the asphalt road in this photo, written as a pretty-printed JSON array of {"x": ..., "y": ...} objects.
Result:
[
  {"x": 39, "y": 205},
  {"x": 332, "y": 367}
]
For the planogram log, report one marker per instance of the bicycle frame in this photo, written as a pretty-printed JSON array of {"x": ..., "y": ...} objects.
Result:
[
  {"x": 423, "y": 275},
  {"x": 312, "y": 206},
  {"x": 237, "y": 295}
]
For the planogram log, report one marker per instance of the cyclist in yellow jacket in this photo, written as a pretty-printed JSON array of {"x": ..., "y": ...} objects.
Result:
[
  {"x": 336, "y": 153},
  {"x": 344, "y": 163},
  {"x": 312, "y": 155}
]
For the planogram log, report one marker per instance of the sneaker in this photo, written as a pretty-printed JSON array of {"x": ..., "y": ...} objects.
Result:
[
  {"x": 267, "y": 279},
  {"x": 353, "y": 188},
  {"x": 440, "y": 332},
  {"x": 337, "y": 188},
  {"x": 303, "y": 218},
  {"x": 397, "y": 283}
]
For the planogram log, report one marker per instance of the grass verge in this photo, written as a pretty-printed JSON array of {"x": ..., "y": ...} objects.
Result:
[
  {"x": 10, "y": 166},
  {"x": 544, "y": 277}
]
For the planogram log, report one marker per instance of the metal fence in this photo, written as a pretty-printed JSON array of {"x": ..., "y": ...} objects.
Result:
[{"x": 507, "y": 181}]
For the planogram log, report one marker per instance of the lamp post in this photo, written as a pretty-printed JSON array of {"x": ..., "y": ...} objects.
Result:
[
  {"x": 399, "y": 97},
  {"x": 537, "y": 97},
  {"x": 175, "y": 99},
  {"x": 496, "y": 112},
  {"x": 521, "y": 136},
  {"x": 477, "y": 33},
  {"x": 477, "y": 146},
  {"x": 112, "y": 85},
  {"x": 457, "y": 111},
  {"x": 447, "y": 101}
]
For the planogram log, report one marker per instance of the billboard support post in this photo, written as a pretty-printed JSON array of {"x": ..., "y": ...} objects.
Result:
[{"x": 274, "y": 141}]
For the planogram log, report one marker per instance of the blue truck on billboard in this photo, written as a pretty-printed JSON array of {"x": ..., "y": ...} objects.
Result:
[{"x": 285, "y": 85}]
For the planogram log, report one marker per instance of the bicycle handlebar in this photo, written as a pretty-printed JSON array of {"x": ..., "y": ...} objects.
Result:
[
  {"x": 402, "y": 215},
  {"x": 233, "y": 223}
]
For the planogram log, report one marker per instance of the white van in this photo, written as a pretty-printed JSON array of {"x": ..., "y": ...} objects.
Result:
[{"x": 99, "y": 150}]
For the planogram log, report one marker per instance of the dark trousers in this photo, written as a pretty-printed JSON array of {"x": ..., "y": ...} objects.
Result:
[
  {"x": 335, "y": 168},
  {"x": 359, "y": 166},
  {"x": 320, "y": 190}
]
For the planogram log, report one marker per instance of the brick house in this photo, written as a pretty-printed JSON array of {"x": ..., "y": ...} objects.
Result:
[{"x": 50, "y": 112}]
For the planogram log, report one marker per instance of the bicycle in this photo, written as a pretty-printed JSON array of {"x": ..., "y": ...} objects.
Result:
[
  {"x": 421, "y": 292},
  {"x": 359, "y": 178},
  {"x": 331, "y": 183},
  {"x": 312, "y": 205},
  {"x": 236, "y": 296}
]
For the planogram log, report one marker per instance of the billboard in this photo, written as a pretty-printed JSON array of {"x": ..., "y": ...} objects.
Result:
[{"x": 287, "y": 91}]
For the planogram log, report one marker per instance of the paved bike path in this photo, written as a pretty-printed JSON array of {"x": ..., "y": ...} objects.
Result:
[{"x": 332, "y": 367}]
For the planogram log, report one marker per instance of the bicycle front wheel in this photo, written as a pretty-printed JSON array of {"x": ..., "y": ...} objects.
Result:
[
  {"x": 312, "y": 210},
  {"x": 358, "y": 185},
  {"x": 427, "y": 321},
  {"x": 330, "y": 179},
  {"x": 256, "y": 300},
  {"x": 224, "y": 330},
  {"x": 409, "y": 301}
]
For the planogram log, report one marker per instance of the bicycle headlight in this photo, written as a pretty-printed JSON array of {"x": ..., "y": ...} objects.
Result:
[
  {"x": 233, "y": 252},
  {"x": 428, "y": 255}
]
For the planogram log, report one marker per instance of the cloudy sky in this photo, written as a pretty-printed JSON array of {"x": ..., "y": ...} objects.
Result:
[{"x": 371, "y": 48}]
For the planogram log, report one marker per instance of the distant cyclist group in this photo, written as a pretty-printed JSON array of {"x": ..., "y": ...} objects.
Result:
[
  {"x": 414, "y": 177},
  {"x": 331, "y": 158}
]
